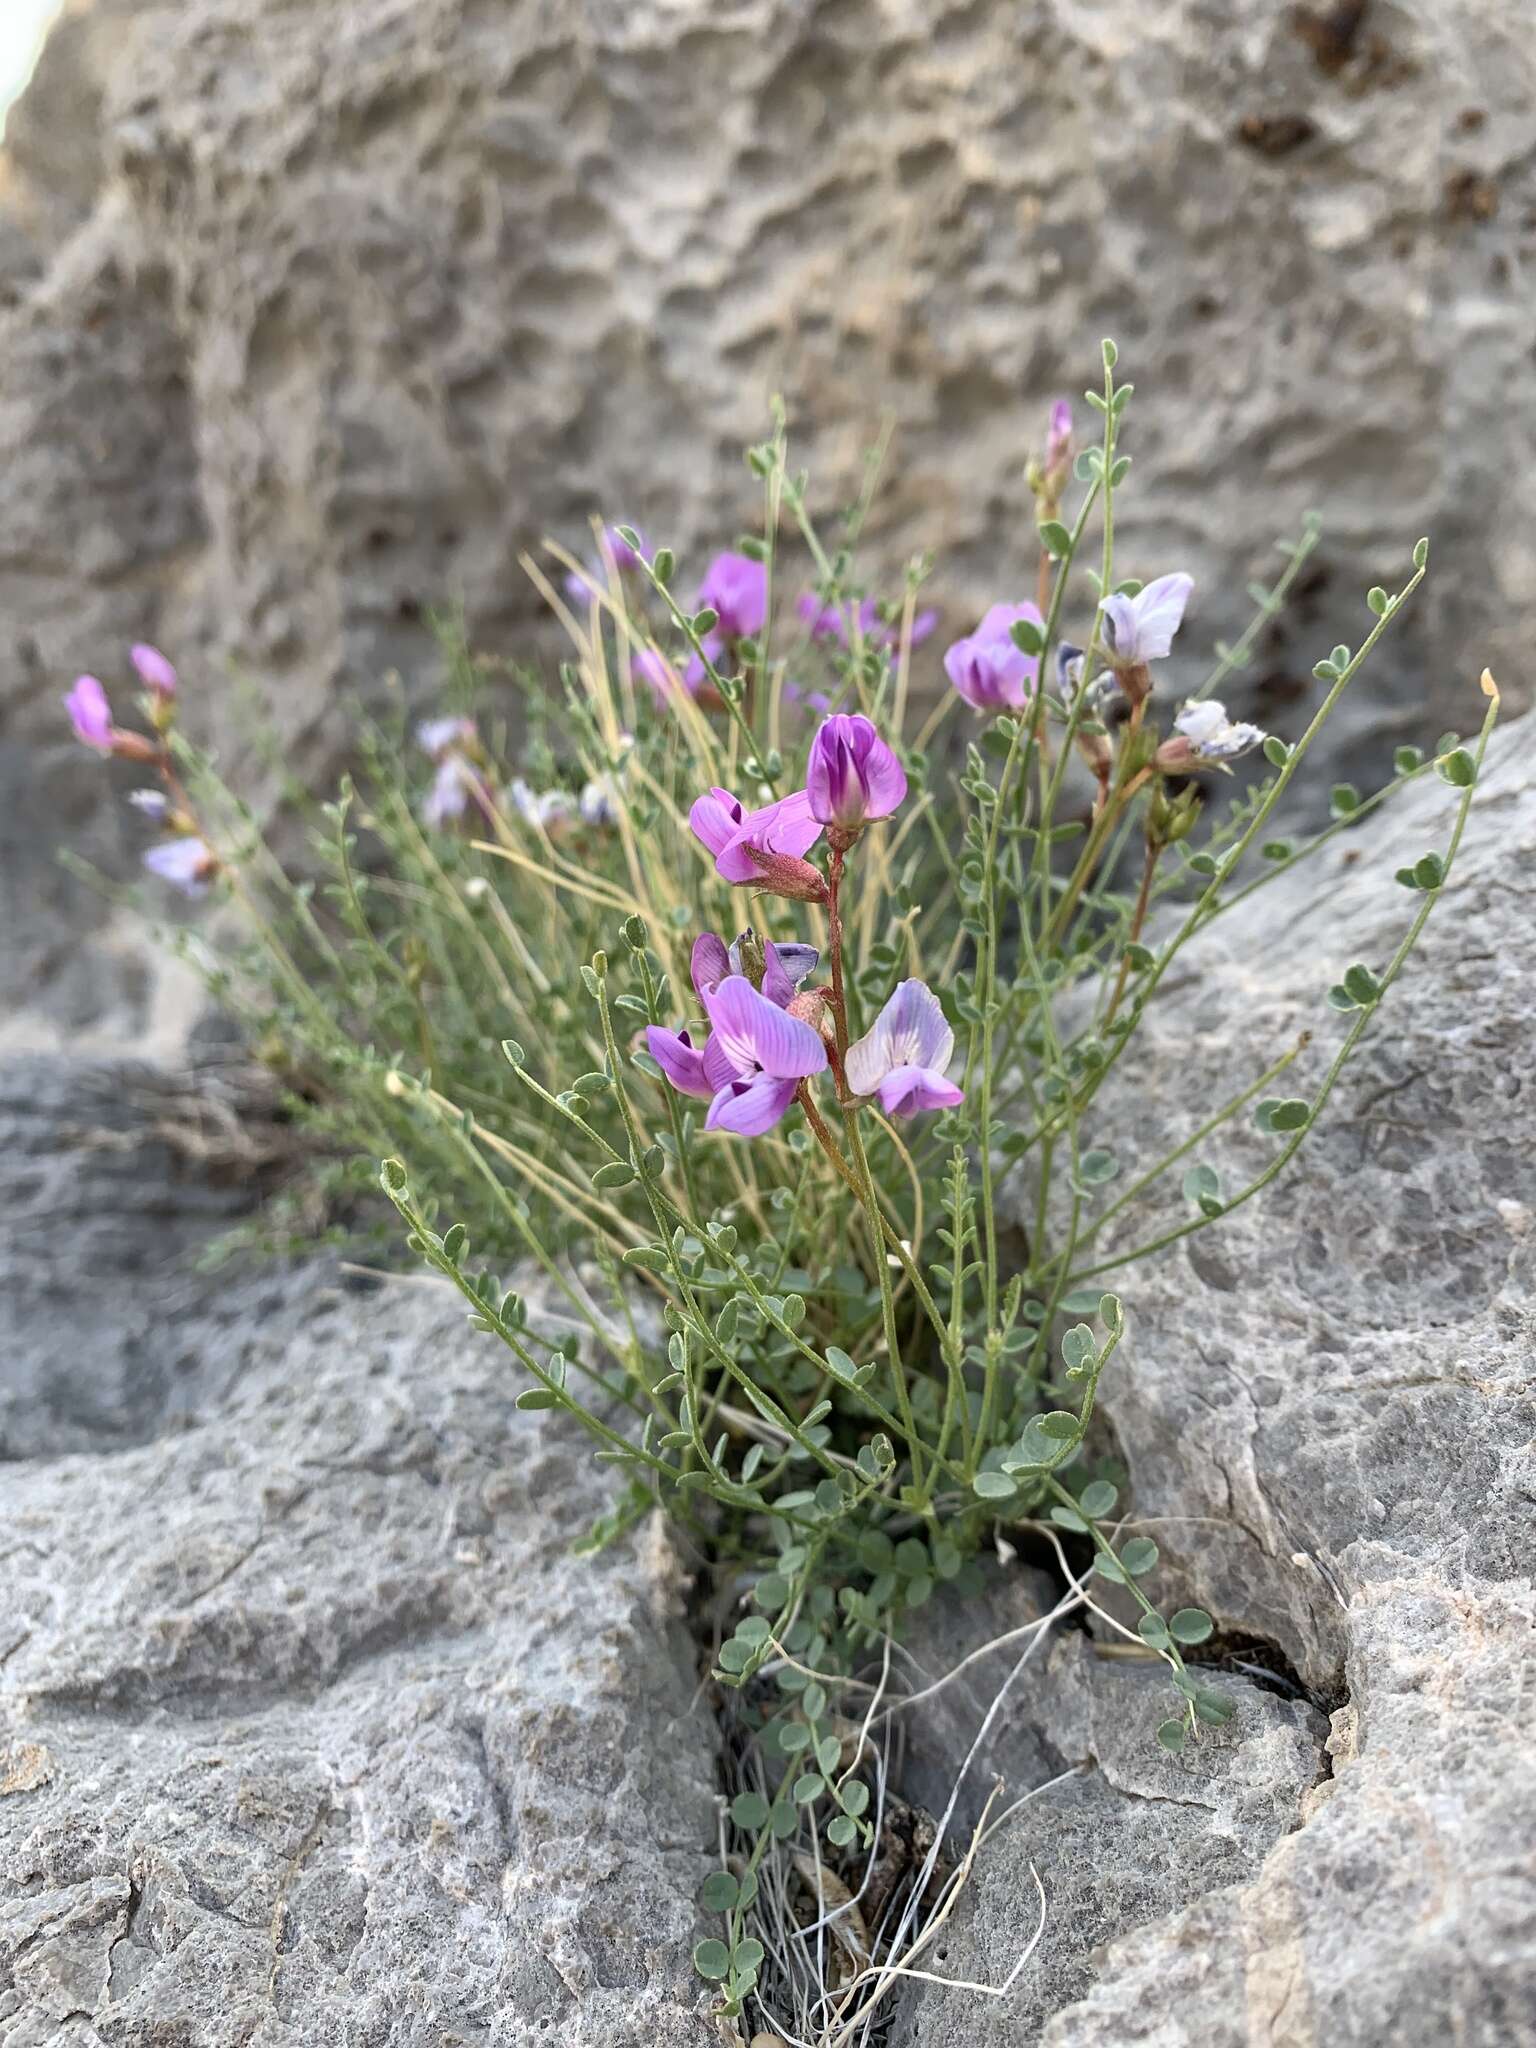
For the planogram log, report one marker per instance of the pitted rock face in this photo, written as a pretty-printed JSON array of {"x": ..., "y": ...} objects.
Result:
[
  {"x": 1324, "y": 1401},
  {"x": 312, "y": 1728},
  {"x": 339, "y": 308}
]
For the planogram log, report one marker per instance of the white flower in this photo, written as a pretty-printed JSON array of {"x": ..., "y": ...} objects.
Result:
[
  {"x": 600, "y": 802},
  {"x": 1141, "y": 628},
  {"x": 1212, "y": 735},
  {"x": 902, "y": 1057},
  {"x": 544, "y": 809}
]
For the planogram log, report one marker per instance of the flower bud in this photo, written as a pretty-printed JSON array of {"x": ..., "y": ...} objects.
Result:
[{"x": 781, "y": 874}]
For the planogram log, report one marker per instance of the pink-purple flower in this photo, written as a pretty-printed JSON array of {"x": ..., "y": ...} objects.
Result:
[
  {"x": 735, "y": 589},
  {"x": 91, "y": 714},
  {"x": 902, "y": 1057},
  {"x": 852, "y": 777},
  {"x": 765, "y": 845},
  {"x": 186, "y": 863},
  {"x": 756, "y": 1054},
  {"x": 1140, "y": 629},
  {"x": 987, "y": 669},
  {"x": 155, "y": 671}
]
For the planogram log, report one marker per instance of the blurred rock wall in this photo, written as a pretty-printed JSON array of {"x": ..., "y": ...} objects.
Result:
[{"x": 314, "y": 313}]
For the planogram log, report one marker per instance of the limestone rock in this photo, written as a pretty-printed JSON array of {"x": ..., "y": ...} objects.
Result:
[
  {"x": 312, "y": 1729},
  {"x": 336, "y": 309},
  {"x": 1117, "y": 1833},
  {"x": 1325, "y": 1404}
]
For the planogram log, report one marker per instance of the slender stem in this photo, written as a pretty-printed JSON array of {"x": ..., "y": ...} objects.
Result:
[{"x": 1138, "y": 919}]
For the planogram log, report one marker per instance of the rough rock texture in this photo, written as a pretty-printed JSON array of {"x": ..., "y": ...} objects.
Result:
[
  {"x": 1326, "y": 1405},
  {"x": 1119, "y": 1832},
  {"x": 312, "y": 1731},
  {"x": 335, "y": 307}
]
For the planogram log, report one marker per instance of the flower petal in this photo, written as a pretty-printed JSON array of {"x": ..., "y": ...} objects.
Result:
[
  {"x": 715, "y": 819},
  {"x": 679, "y": 1059},
  {"x": 907, "y": 1090},
  {"x": 90, "y": 714},
  {"x": 751, "y": 1028},
  {"x": 155, "y": 672},
  {"x": 709, "y": 963},
  {"x": 749, "y": 1108},
  {"x": 910, "y": 1031}
]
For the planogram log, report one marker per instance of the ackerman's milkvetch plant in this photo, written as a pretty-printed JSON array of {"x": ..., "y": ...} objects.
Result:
[{"x": 771, "y": 1025}]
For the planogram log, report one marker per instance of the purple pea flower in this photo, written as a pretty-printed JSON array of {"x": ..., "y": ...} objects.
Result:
[
  {"x": 735, "y": 588},
  {"x": 674, "y": 1051},
  {"x": 90, "y": 714},
  {"x": 155, "y": 672},
  {"x": 852, "y": 777},
  {"x": 757, "y": 1056},
  {"x": 750, "y": 1066},
  {"x": 831, "y": 622},
  {"x": 779, "y": 832},
  {"x": 152, "y": 802},
  {"x": 902, "y": 1057},
  {"x": 185, "y": 863},
  {"x": 1140, "y": 629},
  {"x": 987, "y": 669}
]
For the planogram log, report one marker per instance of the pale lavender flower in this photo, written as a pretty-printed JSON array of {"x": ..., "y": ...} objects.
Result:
[
  {"x": 714, "y": 651},
  {"x": 185, "y": 863},
  {"x": 654, "y": 669},
  {"x": 1212, "y": 736},
  {"x": 449, "y": 793},
  {"x": 1140, "y": 629},
  {"x": 155, "y": 671},
  {"x": 545, "y": 809},
  {"x": 781, "y": 831},
  {"x": 903, "y": 1056},
  {"x": 852, "y": 777},
  {"x": 91, "y": 714},
  {"x": 988, "y": 670},
  {"x": 437, "y": 736},
  {"x": 599, "y": 802},
  {"x": 813, "y": 700},
  {"x": 735, "y": 588},
  {"x": 831, "y": 622},
  {"x": 152, "y": 802},
  {"x": 580, "y": 583}
]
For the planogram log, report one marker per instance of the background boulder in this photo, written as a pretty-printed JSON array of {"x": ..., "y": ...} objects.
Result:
[{"x": 316, "y": 317}]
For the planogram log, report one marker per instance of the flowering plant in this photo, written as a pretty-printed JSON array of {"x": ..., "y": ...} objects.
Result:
[{"x": 811, "y": 1017}]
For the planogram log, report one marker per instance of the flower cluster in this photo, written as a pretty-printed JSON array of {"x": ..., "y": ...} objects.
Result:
[
  {"x": 768, "y": 1035},
  {"x": 182, "y": 856}
]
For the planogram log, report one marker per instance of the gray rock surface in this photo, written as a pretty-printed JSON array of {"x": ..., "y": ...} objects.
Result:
[
  {"x": 1326, "y": 1405},
  {"x": 319, "y": 315},
  {"x": 1120, "y": 1833},
  {"x": 312, "y": 1730}
]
